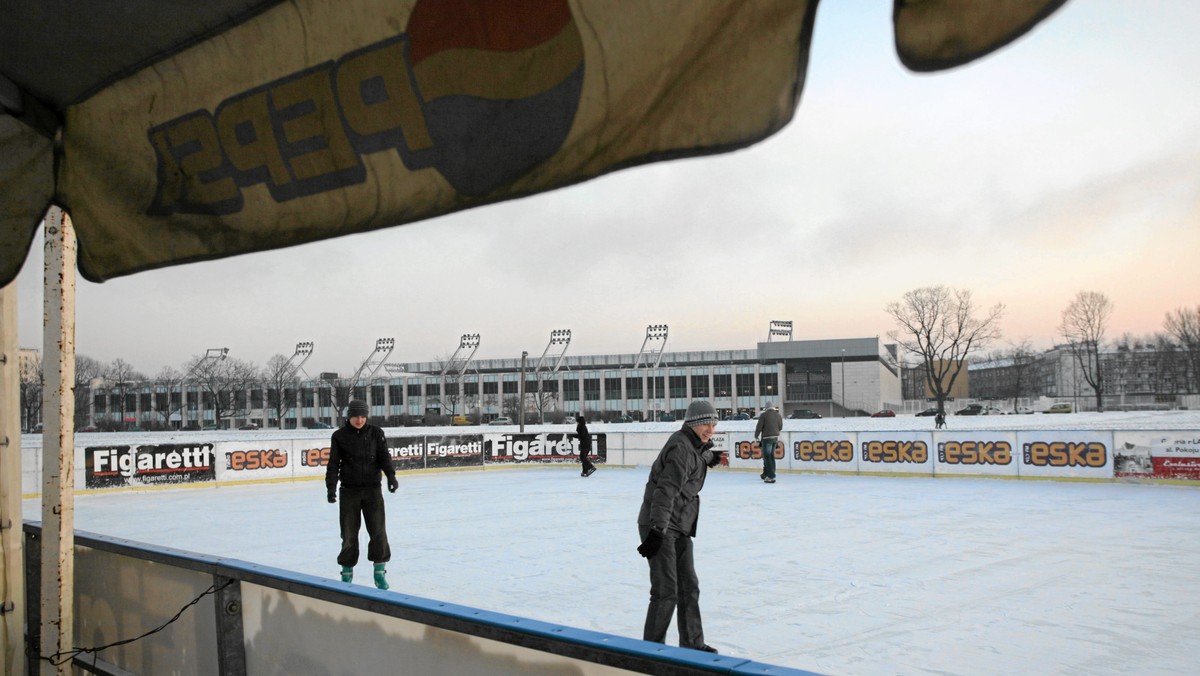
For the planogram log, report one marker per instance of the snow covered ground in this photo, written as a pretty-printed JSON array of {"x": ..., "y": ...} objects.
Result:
[{"x": 836, "y": 574}]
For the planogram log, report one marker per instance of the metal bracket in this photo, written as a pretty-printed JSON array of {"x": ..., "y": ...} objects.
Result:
[{"x": 6, "y": 607}]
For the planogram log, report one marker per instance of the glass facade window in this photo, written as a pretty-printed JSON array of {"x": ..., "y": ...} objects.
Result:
[
  {"x": 571, "y": 390},
  {"x": 471, "y": 388},
  {"x": 377, "y": 395},
  {"x": 700, "y": 386},
  {"x": 360, "y": 392},
  {"x": 511, "y": 386},
  {"x": 768, "y": 384},
  {"x": 678, "y": 386},
  {"x": 722, "y": 383},
  {"x": 657, "y": 387},
  {"x": 306, "y": 397},
  {"x": 591, "y": 388},
  {"x": 414, "y": 388},
  {"x": 491, "y": 386},
  {"x": 745, "y": 384},
  {"x": 100, "y": 403},
  {"x": 612, "y": 387},
  {"x": 633, "y": 387},
  {"x": 395, "y": 395}
]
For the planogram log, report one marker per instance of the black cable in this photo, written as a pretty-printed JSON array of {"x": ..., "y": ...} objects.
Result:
[{"x": 67, "y": 655}]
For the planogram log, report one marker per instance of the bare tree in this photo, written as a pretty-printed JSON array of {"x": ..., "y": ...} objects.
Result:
[
  {"x": 122, "y": 379},
  {"x": 1084, "y": 322},
  {"x": 1184, "y": 326},
  {"x": 30, "y": 376},
  {"x": 1023, "y": 358},
  {"x": 86, "y": 370},
  {"x": 939, "y": 326},
  {"x": 166, "y": 384},
  {"x": 224, "y": 382},
  {"x": 281, "y": 381}
]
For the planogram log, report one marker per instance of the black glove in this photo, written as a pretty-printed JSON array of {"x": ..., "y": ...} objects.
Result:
[
  {"x": 715, "y": 459},
  {"x": 393, "y": 484},
  {"x": 651, "y": 544},
  {"x": 332, "y": 496}
]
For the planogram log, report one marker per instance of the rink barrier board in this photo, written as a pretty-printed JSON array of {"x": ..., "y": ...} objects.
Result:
[
  {"x": 146, "y": 461},
  {"x": 263, "y": 621}
]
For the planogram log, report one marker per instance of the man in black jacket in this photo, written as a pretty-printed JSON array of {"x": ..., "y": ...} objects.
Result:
[
  {"x": 667, "y": 524},
  {"x": 357, "y": 455}
]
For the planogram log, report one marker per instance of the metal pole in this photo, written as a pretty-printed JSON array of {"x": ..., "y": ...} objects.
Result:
[
  {"x": 58, "y": 443},
  {"x": 12, "y": 557},
  {"x": 521, "y": 392},
  {"x": 843, "y": 382}
]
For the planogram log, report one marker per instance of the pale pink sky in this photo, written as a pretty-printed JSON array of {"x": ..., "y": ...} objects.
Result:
[{"x": 1067, "y": 161}]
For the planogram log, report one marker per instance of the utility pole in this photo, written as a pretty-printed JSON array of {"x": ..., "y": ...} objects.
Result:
[{"x": 521, "y": 392}]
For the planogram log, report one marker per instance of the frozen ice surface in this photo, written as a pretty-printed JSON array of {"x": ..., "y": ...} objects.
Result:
[{"x": 836, "y": 574}]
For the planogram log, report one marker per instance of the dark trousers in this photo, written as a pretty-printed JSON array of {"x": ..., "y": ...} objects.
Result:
[
  {"x": 356, "y": 504},
  {"x": 583, "y": 458},
  {"x": 768, "y": 451},
  {"x": 674, "y": 590}
]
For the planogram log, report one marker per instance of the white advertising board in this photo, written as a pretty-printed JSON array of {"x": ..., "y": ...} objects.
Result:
[
  {"x": 1064, "y": 453},
  {"x": 895, "y": 452},
  {"x": 823, "y": 451},
  {"x": 979, "y": 452}
]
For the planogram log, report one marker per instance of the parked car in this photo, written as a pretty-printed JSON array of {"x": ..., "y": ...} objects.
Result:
[
  {"x": 623, "y": 419},
  {"x": 249, "y": 426},
  {"x": 318, "y": 425},
  {"x": 669, "y": 417},
  {"x": 970, "y": 409},
  {"x": 89, "y": 428},
  {"x": 803, "y": 414},
  {"x": 741, "y": 416},
  {"x": 1058, "y": 408},
  {"x": 990, "y": 410},
  {"x": 460, "y": 420},
  {"x": 502, "y": 420},
  {"x": 1021, "y": 410},
  {"x": 211, "y": 428},
  {"x": 927, "y": 413},
  {"x": 885, "y": 413}
]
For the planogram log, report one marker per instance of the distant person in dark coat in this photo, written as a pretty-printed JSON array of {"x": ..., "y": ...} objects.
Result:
[
  {"x": 585, "y": 445},
  {"x": 358, "y": 455},
  {"x": 770, "y": 423},
  {"x": 939, "y": 420},
  {"x": 667, "y": 524}
]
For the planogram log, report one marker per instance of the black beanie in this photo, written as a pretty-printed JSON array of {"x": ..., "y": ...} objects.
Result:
[{"x": 357, "y": 407}]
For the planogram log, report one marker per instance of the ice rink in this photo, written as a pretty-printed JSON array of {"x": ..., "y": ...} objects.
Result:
[{"x": 835, "y": 574}]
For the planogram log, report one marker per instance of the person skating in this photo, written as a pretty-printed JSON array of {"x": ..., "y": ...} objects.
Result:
[
  {"x": 585, "y": 445},
  {"x": 667, "y": 524},
  {"x": 358, "y": 454},
  {"x": 770, "y": 423}
]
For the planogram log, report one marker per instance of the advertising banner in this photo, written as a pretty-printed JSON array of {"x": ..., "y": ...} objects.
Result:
[
  {"x": 895, "y": 452},
  {"x": 311, "y": 457},
  {"x": 148, "y": 464},
  {"x": 251, "y": 460},
  {"x": 540, "y": 447},
  {"x": 1064, "y": 453},
  {"x": 823, "y": 451},
  {"x": 978, "y": 452},
  {"x": 1157, "y": 455},
  {"x": 746, "y": 452},
  {"x": 460, "y": 450},
  {"x": 407, "y": 452}
]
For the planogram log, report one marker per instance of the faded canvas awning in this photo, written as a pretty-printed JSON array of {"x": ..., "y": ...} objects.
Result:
[{"x": 178, "y": 132}]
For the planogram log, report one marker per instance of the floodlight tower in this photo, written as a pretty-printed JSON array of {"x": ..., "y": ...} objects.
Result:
[
  {"x": 375, "y": 360},
  {"x": 456, "y": 365},
  {"x": 303, "y": 352},
  {"x": 560, "y": 340},
  {"x": 779, "y": 328},
  {"x": 654, "y": 333}
]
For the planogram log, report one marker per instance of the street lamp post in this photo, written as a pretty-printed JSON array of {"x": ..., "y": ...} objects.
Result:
[
  {"x": 521, "y": 392},
  {"x": 843, "y": 382}
]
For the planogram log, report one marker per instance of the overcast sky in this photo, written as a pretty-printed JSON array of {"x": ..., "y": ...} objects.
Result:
[{"x": 1067, "y": 161}]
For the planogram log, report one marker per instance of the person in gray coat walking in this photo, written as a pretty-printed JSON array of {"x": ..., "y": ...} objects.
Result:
[
  {"x": 770, "y": 423},
  {"x": 667, "y": 524}
]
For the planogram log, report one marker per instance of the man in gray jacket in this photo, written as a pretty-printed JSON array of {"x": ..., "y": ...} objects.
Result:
[
  {"x": 667, "y": 524},
  {"x": 770, "y": 423}
]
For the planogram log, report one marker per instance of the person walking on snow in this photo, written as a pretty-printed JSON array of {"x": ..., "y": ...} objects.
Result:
[
  {"x": 357, "y": 455},
  {"x": 667, "y": 524},
  {"x": 770, "y": 423},
  {"x": 585, "y": 445}
]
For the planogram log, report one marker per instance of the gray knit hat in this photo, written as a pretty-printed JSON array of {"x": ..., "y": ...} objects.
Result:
[
  {"x": 357, "y": 407},
  {"x": 700, "y": 412}
]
